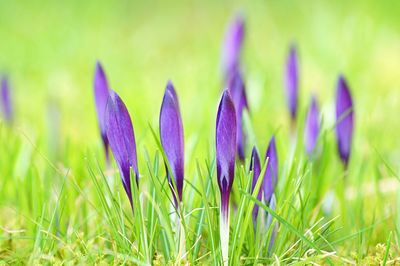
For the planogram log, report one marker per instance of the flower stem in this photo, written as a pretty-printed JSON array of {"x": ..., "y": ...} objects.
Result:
[
  {"x": 224, "y": 233},
  {"x": 179, "y": 231},
  {"x": 182, "y": 241}
]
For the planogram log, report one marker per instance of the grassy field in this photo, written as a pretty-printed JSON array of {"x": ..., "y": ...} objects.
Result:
[{"x": 59, "y": 204}]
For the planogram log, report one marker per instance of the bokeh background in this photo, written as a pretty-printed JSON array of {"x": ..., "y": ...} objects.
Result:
[{"x": 49, "y": 49}]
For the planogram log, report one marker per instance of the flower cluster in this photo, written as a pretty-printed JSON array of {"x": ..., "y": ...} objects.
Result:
[{"x": 116, "y": 129}]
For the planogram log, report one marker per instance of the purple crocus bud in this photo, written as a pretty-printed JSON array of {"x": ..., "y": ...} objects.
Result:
[
  {"x": 232, "y": 45},
  {"x": 225, "y": 139},
  {"x": 292, "y": 82},
  {"x": 271, "y": 172},
  {"x": 311, "y": 129},
  {"x": 121, "y": 137},
  {"x": 344, "y": 120},
  {"x": 6, "y": 100},
  {"x": 101, "y": 92},
  {"x": 238, "y": 93},
  {"x": 171, "y": 133},
  {"x": 255, "y": 167}
]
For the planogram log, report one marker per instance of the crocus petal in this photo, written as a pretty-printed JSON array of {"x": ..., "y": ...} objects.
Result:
[
  {"x": 344, "y": 120},
  {"x": 271, "y": 172},
  {"x": 6, "y": 100},
  {"x": 122, "y": 139},
  {"x": 272, "y": 206},
  {"x": 232, "y": 45},
  {"x": 311, "y": 130},
  {"x": 171, "y": 132},
  {"x": 225, "y": 139},
  {"x": 101, "y": 92},
  {"x": 237, "y": 90},
  {"x": 255, "y": 167},
  {"x": 291, "y": 81}
]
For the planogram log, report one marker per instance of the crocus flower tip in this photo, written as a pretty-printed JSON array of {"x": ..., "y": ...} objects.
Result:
[
  {"x": 225, "y": 138},
  {"x": 101, "y": 93},
  {"x": 293, "y": 49},
  {"x": 312, "y": 127},
  {"x": 255, "y": 167},
  {"x": 232, "y": 45},
  {"x": 170, "y": 88},
  {"x": 291, "y": 81},
  {"x": 6, "y": 104},
  {"x": 172, "y": 139},
  {"x": 271, "y": 172},
  {"x": 99, "y": 70},
  {"x": 253, "y": 150},
  {"x": 344, "y": 119},
  {"x": 121, "y": 138},
  {"x": 237, "y": 90}
]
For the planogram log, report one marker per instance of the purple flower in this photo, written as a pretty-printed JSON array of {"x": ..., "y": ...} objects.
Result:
[
  {"x": 6, "y": 100},
  {"x": 171, "y": 133},
  {"x": 101, "y": 92},
  {"x": 256, "y": 168},
  {"x": 292, "y": 82},
  {"x": 271, "y": 172},
  {"x": 122, "y": 139},
  {"x": 238, "y": 93},
  {"x": 344, "y": 120},
  {"x": 225, "y": 139},
  {"x": 232, "y": 45},
  {"x": 311, "y": 130}
]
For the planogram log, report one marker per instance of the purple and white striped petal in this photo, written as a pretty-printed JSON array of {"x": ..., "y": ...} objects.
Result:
[
  {"x": 6, "y": 104},
  {"x": 171, "y": 133},
  {"x": 312, "y": 127},
  {"x": 232, "y": 45},
  {"x": 237, "y": 90},
  {"x": 101, "y": 92},
  {"x": 271, "y": 172},
  {"x": 121, "y": 137},
  {"x": 225, "y": 139},
  {"x": 255, "y": 167},
  {"x": 344, "y": 120},
  {"x": 292, "y": 82}
]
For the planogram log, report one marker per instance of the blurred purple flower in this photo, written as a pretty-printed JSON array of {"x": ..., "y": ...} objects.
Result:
[
  {"x": 311, "y": 129},
  {"x": 225, "y": 139},
  {"x": 256, "y": 168},
  {"x": 121, "y": 137},
  {"x": 271, "y": 172},
  {"x": 237, "y": 91},
  {"x": 232, "y": 45},
  {"x": 101, "y": 92},
  {"x": 171, "y": 133},
  {"x": 6, "y": 100},
  {"x": 344, "y": 120},
  {"x": 270, "y": 182},
  {"x": 292, "y": 81}
]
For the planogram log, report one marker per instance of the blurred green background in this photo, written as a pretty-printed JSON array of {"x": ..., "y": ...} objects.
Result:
[{"x": 49, "y": 48}]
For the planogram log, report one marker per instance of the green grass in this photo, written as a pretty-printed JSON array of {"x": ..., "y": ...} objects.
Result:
[{"x": 59, "y": 203}]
